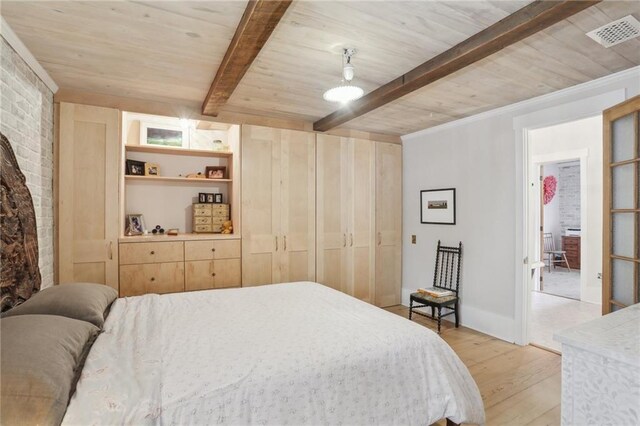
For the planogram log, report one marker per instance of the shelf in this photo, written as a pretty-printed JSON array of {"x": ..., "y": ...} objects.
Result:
[
  {"x": 177, "y": 151},
  {"x": 176, "y": 179},
  {"x": 180, "y": 237}
]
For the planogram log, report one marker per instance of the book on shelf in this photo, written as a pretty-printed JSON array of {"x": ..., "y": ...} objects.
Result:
[{"x": 436, "y": 292}]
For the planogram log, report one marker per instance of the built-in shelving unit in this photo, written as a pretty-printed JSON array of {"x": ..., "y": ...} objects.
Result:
[
  {"x": 197, "y": 181},
  {"x": 166, "y": 199},
  {"x": 177, "y": 151}
]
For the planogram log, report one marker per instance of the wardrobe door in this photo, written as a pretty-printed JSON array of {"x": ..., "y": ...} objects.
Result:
[
  {"x": 298, "y": 206},
  {"x": 88, "y": 167},
  {"x": 361, "y": 245},
  {"x": 261, "y": 242},
  {"x": 333, "y": 194},
  {"x": 388, "y": 224}
]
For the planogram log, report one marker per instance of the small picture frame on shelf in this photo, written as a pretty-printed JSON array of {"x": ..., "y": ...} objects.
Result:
[
  {"x": 210, "y": 198},
  {"x": 151, "y": 169},
  {"x": 135, "y": 168},
  {"x": 134, "y": 224},
  {"x": 217, "y": 198},
  {"x": 163, "y": 135},
  {"x": 215, "y": 172},
  {"x": 202, "y": 197}
]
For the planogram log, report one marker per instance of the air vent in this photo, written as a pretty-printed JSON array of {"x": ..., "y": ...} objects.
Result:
[{"x": 616, "y": 32}]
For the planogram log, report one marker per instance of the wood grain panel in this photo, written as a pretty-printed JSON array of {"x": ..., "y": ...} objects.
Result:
[
  {"x": 155, "y": 252},
  {"x": 211, "y": 249},
  {"x": 388, "y": 280},
  {"x": 157, "y": 278},
  {"x": 87, "y": 194}
]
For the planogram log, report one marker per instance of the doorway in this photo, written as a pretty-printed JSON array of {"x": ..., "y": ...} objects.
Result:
[
  {"x": 560, "y": 218},
  {"x": 564, "y": 227}
]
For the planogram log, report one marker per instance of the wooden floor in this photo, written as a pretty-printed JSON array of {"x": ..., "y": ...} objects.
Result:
[{"x": 519, "y": 385}]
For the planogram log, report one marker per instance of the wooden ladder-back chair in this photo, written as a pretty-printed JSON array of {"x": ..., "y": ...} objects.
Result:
[
  {"x": 446, "y": 276},
  {"x": 550, "y": 252}
]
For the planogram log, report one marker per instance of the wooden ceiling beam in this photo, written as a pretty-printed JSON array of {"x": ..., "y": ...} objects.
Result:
[
  {"x": 259, "y": 20},
  {"x": 521, "y": 24}
]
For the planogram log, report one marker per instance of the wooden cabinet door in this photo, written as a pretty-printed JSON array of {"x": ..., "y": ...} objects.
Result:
[
  {"x": 198, "y": 275},
  {"x": 261, "y": 151},
  {"x": 361, "y": 235},
  {"x": 298, "y": 206},
  {"x": 388, "y": 279},
  {"x": 88, "y": 165},
  {"x": 226, "y": 273},
  {"x": 332, "y": 216}
]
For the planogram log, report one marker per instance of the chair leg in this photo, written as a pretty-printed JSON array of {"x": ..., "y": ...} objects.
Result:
[
  {"x": 549, "y": 261},
  {"x": 410, "y": 308},
  {"x": 433, "y": 312},
  {"x": 564, "y": 256},
  {"x": 439, "y": 318},
  {"x": 456, "y": 315}
]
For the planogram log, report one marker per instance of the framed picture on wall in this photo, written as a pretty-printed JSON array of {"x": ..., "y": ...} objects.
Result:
[
  {"x": 438, "y": 206},
  {"x": 163, "y": 135}
]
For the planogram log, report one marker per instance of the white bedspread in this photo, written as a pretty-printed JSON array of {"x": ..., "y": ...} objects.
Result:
[{"x": 286, "y": 354}]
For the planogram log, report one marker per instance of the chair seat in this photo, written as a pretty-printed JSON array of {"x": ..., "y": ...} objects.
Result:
[
  {"x": 430, "y": 300},
  {"x": 556, "y": 252}
]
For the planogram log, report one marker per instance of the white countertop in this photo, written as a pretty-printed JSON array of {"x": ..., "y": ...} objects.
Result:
[{"x": 615, "y": 336}]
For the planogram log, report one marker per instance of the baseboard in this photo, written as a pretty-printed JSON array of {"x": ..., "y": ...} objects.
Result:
[{"x": 486, "y": 322}]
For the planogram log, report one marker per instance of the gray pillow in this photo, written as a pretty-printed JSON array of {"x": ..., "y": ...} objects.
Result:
[
  {"x": 40, "y": 362},
  {"x": 81, "y": 301}
]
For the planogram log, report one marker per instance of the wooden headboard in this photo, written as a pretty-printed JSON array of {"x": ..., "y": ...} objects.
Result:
[{"x": 20, "y": 275}]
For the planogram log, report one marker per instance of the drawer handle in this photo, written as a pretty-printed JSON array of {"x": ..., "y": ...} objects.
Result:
[
  {"x": 213, "y": 249},
  {"x": 213, "y": 275},
  {"x": 153, "y": 252},
  {"x": 153, "y": 279}
]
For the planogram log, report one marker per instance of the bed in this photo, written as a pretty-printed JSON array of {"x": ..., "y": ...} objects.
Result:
[
  {"x": 297, "y": 353},
  {"x": 285, "y": 354}
]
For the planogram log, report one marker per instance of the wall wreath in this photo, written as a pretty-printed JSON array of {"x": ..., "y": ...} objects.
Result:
[{"x": 549, "y": 186}]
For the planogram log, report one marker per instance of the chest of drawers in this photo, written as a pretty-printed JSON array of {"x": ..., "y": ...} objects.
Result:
[
  {"x": 571, "y": 244},
  {"x": 162, "y": 266}
]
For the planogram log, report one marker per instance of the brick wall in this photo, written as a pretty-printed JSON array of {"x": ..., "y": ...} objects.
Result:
[
  {"x": 26, "y": 119},
  {"x": 569, "y": 197}
]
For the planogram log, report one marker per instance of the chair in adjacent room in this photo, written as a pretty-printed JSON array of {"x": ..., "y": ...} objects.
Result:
[
  {"x": 445, "y": 277},
  {"x": 550, "y": 252}
]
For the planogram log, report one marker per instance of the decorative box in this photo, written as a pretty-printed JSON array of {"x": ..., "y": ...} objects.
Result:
[{"x": 208, "y": 218}]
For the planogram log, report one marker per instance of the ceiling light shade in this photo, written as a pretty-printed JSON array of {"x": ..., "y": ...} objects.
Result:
[{"x": 345, "y": 92}]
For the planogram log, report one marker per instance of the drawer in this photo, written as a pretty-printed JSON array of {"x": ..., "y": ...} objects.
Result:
[
  {"x": 211, "y": 249},
  {"x": 209, "y": 274},
  {"x": 202, "y": 207},
  {"x": 155, "y": 252},
  {"x": 201, "y": 212},
  {"x": 202, "y": 228},
  {"x": 202, "y": 220},
  {"x": 151, "y": 278}
]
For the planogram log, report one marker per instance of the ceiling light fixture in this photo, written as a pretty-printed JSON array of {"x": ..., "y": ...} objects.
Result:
[{"x": 345, "y": 92}]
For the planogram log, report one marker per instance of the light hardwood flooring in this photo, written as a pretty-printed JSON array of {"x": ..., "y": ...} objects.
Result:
[{"x": 519, "y": 385}]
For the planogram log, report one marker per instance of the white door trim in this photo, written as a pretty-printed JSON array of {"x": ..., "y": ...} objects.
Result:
[{"x": 572, "y": 111}]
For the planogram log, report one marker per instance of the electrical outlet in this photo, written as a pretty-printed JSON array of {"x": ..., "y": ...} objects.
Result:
[
  {"x": 599, "y": 275},
  {"x": 413, "y": 239}
]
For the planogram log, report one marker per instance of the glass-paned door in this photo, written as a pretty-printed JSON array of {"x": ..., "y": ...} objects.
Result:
[{"x": 621, "y": 263}]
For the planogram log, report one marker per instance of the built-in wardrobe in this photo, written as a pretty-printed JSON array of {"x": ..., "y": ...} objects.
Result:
[
  {"x": 278, "y": 205},
  {"x": 322, "y": 208}
]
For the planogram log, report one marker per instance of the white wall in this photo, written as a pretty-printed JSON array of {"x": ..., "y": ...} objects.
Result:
[
  {"x": 478, "y": 156},
  {"x": 581, "y": 135},
  {"x": 552, "y": 209}
]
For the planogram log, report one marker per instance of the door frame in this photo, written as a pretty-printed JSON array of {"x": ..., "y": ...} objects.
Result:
[{"x": 522, "y": 124}]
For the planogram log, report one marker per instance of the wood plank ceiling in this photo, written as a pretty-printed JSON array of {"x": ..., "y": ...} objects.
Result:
[{"x": 170, "y": 51}]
